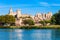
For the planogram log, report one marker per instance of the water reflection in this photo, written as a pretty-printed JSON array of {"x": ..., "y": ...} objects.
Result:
[
  {"x": 4, "y": 34},
  {"x": 31, "y": 35},
  {"x": 41, "y": 34},
  {"x": 16, "y": 34},
  {"x": 57, "y": 34},
  {"x": 19, "y": 34}
]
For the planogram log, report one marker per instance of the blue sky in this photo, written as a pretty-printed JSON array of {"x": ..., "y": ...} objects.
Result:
[{"x": 30, "y": 6}]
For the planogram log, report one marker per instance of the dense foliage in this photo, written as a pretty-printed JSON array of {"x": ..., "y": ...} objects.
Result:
[
  {"x": 44, "y": 22},
  {"x": 29, "y": 22},
  {"x": 7, "y": 19},
  {"x": 2, "y": 19},
  {"x": 56, "y": 18}
]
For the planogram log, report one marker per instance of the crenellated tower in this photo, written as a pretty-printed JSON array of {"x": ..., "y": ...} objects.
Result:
[{"x": 18, "y": 13}]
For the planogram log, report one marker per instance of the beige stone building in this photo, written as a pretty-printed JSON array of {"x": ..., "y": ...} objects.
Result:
[{"x": 20, "y": 17}]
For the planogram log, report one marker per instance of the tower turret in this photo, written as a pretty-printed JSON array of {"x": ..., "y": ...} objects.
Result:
[
  {"x": 10, "y": 11},
  {"x": 18, "y": 13},
  {"x": 49, "y": 15}
]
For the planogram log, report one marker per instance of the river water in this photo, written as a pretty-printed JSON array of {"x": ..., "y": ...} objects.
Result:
[{"x": 32, "y": 34}]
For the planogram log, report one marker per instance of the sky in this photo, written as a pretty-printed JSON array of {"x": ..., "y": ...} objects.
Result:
[{"x": 30, "y": 7}]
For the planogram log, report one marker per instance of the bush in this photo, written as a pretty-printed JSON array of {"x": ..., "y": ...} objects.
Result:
[{"x": 29, "y": 22}]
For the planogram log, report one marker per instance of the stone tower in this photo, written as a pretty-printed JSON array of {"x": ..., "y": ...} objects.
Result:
[
  {"x": 18, "y": 13},
  {"x": 43, "y": 16},
  {"x": 49, "y": 15},
  {"x": 18, "y": 20},
  {"x": 10, "y": 11}
]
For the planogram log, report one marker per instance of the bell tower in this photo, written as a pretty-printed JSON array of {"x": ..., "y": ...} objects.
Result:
[
  {"x": 10, "y": 11},
  {"x": 18, "y": 13}
]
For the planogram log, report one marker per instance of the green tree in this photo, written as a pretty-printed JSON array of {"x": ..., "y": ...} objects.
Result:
[
  {"x": 44, "y": 22},
  {"x": 56, "y": 18},
  {"x": 2, "y": 19},
  {"x": 47, "y": 21},
  {"x": 53, "y": 20},
  {"x": 29, "y": 22},
  {"x": 9, "y": 19}
]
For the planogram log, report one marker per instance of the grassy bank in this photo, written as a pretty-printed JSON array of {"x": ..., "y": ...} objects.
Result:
[{"x": 32, "y": 27}]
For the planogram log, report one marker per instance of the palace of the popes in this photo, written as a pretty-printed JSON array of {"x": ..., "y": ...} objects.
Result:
[{"x": 20, "y": 17}]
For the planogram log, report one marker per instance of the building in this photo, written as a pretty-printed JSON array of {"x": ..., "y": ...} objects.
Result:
[{"x": 20, "y": 17}]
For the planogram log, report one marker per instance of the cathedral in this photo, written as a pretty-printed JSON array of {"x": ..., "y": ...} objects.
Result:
[{"x": 20, "y": 17}]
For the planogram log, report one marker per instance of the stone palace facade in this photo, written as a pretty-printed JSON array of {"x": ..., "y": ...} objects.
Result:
[{"x": 20, "y": 17}]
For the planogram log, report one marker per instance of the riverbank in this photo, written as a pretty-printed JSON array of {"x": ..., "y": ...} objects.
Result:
[{"x": 32, "y": 27}]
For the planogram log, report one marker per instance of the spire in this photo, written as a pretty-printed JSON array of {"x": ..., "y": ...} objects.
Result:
[{"x": 10, "y": 11}]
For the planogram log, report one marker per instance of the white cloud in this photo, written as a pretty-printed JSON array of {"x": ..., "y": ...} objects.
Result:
[
  {"x": 44, "y": 4},
  {"x": 48, "y": 4},
  {"x": 55, "y": 4}
]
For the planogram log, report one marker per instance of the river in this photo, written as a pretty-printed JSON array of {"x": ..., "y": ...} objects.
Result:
[{"x": 32, "y": 34}]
